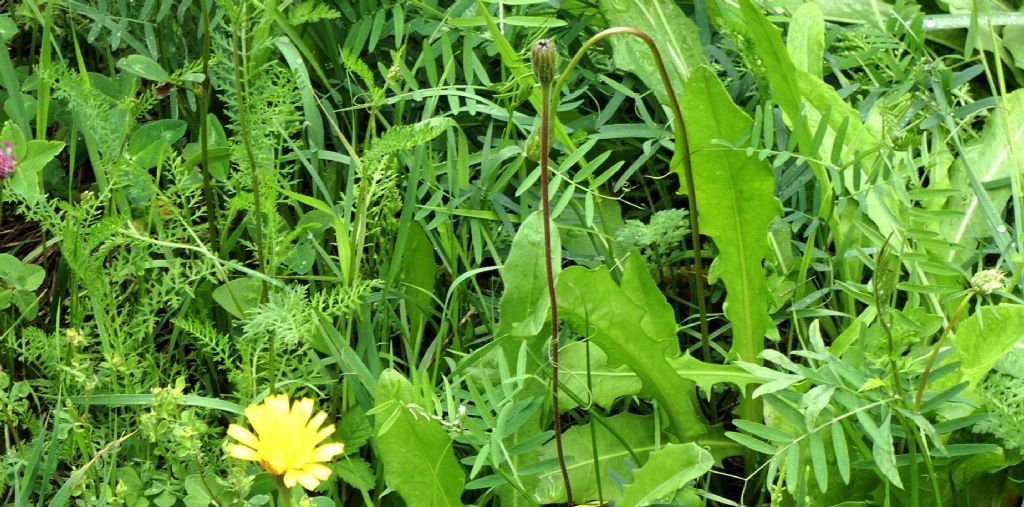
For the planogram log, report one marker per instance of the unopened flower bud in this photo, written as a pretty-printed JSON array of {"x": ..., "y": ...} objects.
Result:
[{"x": 545, "y": 59}]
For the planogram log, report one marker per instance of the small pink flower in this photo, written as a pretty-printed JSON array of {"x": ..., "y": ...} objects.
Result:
[{"x": 7, "y": 160}]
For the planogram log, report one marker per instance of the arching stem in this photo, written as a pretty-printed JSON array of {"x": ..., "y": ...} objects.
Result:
[{"x": 679, "y": 127}]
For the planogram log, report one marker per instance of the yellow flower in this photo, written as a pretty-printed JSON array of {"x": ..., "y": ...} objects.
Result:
[{"x": 285, "y": 440}]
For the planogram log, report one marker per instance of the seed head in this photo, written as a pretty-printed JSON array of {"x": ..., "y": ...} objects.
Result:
[{"x": 545, "y": 59}]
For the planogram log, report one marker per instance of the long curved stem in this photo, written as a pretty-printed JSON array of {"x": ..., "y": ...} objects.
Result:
[{"x": 684, "y": 145}]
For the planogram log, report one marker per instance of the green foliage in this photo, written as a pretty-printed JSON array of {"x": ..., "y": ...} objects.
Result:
[
  {"x": 596, "y": 305},
  {"x": 416, "y": 452},
  {"x": 739, "y": 191},
  {"x": 524, "y": 306},
  {"x": 677, "y": 37},
  {"x": 980, "y": 347},
  {"x": 19, "y": 281},
  {"x": 667, "y": 470},
  {"x": 1002, "y": 391},
  {"x": 216, "y": 201},
  {"x": 620, "y": 440},
  {"x": 666, "y": 229}
]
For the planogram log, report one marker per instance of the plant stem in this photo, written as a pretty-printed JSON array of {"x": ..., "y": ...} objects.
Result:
[
  {"x": 284, "y": 495},
  {"x": 935, "y": 350},
  {"x": 679, "y": 128},
  {"x": 45, "y": 63},
  {"x": 545, "y": 147},
  {"x": 243, "y": 120},
  {"x": 204, "y": 108}
]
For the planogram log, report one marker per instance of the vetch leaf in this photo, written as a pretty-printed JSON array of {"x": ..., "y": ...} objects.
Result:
[
  {"x": 819, "y": 463},
  {"x": 793, "y": 475},
  {"x": 763, "y": 432},
  {"x": 842, "y": 453},
  {"x": 814, "y": 401},
  {"x": 885, "y": 456},
  {"x": 751, "y": 442}
]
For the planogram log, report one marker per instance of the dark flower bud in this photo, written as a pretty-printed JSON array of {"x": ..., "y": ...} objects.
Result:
[{"x": 545, "y": 58}]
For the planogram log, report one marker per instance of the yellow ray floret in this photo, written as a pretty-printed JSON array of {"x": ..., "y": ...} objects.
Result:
[{"x": 285, "y": 439}]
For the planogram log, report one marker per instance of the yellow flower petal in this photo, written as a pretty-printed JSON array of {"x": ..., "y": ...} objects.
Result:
[
  {"x": 322, "y": 434},
  {"x": 291, "y": 478},
  {"x": 277, "y": 405},
  {"x": 319, "y": 471},
  {"x": 260, "y": 420},
  {"x": 301, "y": 411},
  {"x": 327, "y": 452},
  {"x": 307, "y": 480},
  {"x": 243, "y": 452},
  {"x": 276, "y": 461},
  {"x": 317, "y": 421},
  {"x": 243, "y": 435}
]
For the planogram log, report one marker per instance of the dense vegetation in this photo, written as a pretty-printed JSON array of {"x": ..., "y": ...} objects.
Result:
[{"x": 786, "y": 264}]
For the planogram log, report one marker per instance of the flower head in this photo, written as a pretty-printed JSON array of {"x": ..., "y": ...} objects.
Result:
[
  {"x": 988, "y": 281},
  {"x": 544, "y": 59},
  {"x": 285, "y": 440},
  {"x": 7, "y": 160}
]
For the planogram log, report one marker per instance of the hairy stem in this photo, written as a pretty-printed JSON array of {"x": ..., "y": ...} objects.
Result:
[{"x": 545, "y": 147}]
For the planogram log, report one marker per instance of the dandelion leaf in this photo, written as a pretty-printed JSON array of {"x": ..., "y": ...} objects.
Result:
[
  {"x": 735, "y": 195},
  {"x": 419, "y": 462},
  {"x": 630, "y": 322}
]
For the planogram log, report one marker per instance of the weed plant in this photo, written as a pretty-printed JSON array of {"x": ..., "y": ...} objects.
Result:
[{"x": 784, "y": 248}]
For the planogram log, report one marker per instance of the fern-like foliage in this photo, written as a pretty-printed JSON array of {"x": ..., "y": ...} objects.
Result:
[{"x": 311, "y": 11}]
